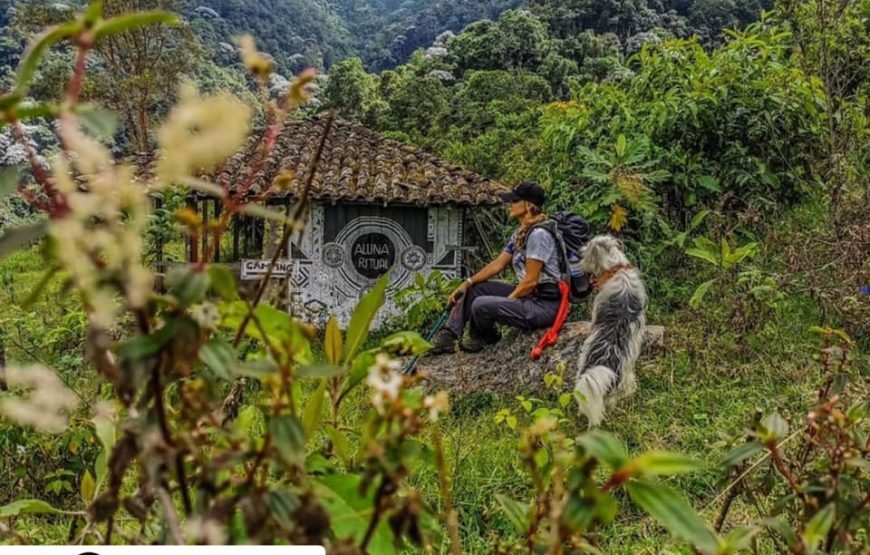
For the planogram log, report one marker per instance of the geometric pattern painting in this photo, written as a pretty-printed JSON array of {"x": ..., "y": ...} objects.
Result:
[{"x": 345, "y": 249}]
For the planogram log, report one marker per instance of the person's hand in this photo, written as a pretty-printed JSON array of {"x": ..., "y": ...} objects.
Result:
[{"x": 457, "y": 294}]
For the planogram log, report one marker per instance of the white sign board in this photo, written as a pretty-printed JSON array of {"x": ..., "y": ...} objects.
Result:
[{"x": 256, "y": 269}]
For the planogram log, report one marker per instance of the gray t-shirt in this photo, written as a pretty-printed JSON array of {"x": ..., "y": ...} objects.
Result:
[{"x": 540, "y": 245}]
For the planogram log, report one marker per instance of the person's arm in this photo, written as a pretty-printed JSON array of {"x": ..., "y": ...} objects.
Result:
[
  {"x": 528, "y": 283},
  {"x": 491, "y": 270}
]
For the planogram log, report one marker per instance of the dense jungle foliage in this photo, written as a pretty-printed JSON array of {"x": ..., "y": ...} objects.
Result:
[{"x": 725, "y": 142}]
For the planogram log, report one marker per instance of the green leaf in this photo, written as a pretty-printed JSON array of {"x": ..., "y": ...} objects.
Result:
[
  {"x": 746, "y": 251},
  {"x": 97, "y": 121},
  {"x": 604, "y": 447},
  {"x": 406, "y": 343},
  {"x": 698, "y": 219},
  {"x": 18, "y": 237},
  {"x": 247, "y": 417},
  {"x": 313, "y": 409},
  {"x": 516, "y": 513},
  {"x": 740, "y": 538},
  {"x": 359, "y": 369},
  {"x": 350, "y": 511},
  {"x": 663, "y": 463},
  {"x": 703, "y": 255},
  {"x": 741, "y": 453},
  {"x": 774, "y": 427},
  {"x": 9, "y": 178},
  {"x": 258, "y": 369},
  {"x": 282, "y": 505},
  {"x": 128, "y": 22},
  {"x": 33, "y": 55},
  {"x": 144, "y": 346},
  {"x": 621, "y": 146},
  {"x": 700, "y": 293},
  {"x": 710, "y": 183},
  {"x": 188, "y": 286},
  {"x": 8, "y": 101},
  {"x": 27, "y": 506},
  {"x": 31, "y": 110},
  {"x": 223, "y": 282},
  {"x": 725, "y": 255},
  {"x": 340, "y": 444},
  {"x": 105, "y": 430},
  {"x": 781, "y": 526},
  {"x": 363, "y": 314},
  {"x": 94, "y": 11},
  {"x": 33, "y": 296},
  {"x": 771, "y": 179},
  {"x": 288, "y": 436},
  {"x": 672, "y": 510},
  {"x": 332, "y": 343},
  {"x": 88, "y": 488},
  {"x": 219, "y": 356},
  {"x": 320, "y": 371},
  {"x": 817, "y": 528},
  {"x": 594, "y": 506},
  {"x": 284, "y": 333}
]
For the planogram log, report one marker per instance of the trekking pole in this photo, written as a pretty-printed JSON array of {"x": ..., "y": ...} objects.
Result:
[{"x": 409, "y": 368}]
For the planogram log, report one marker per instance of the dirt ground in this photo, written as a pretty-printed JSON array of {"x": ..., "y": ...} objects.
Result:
[{"x": 506, "y": 367}]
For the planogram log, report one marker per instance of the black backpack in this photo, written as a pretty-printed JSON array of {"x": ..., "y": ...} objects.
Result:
[{"x": 571, "y": 232}]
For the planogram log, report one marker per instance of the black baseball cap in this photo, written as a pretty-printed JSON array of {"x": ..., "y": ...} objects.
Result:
[{"x": 528, "y": 191}]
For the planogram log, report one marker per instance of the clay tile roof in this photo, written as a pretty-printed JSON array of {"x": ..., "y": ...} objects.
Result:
[{"x": 357, "y": 165}]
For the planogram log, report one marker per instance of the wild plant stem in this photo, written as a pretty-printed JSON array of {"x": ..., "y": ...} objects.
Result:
[
  {"x": 451, "y": 518},
  {"x": 376, "y": 515}
]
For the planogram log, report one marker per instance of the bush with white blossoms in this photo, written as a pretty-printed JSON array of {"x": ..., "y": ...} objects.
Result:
[{"x": 41, "y": 400}]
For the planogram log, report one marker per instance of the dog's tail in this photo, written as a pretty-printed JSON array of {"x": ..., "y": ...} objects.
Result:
[{"x": 594, "y": 385}]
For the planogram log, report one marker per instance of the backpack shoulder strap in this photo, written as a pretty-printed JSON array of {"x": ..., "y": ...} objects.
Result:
[{"x": 552, "y": 227}]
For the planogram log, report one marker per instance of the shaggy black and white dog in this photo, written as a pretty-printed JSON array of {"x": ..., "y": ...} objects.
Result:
[{"x": 605, "y": 371}]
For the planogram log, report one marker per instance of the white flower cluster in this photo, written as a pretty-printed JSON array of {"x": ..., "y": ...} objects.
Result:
[
  {"x": 205, "y": 314},
  {"x": 436, "y": 404},
  {"x": 199, "y": 134},
  {"x": 100, "y": 239},
  {"x": 386, "y": 381},
  {"x": 47, "y": 403}
]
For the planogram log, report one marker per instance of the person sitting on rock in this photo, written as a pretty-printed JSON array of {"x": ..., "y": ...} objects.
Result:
[{"x": 530, "y": 304}]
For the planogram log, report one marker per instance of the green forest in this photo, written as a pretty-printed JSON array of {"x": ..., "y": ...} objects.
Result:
[{"x": 725, "y": 143}]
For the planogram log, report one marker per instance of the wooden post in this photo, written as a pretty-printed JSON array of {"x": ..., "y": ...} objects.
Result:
[
  {"x": 216, "y": 211},
  {"x": 235, "y": 224},
  {"x": 205, "y": 230},
  {"x": 192, "y": 243},
  {"x": 243, "y": 221}
]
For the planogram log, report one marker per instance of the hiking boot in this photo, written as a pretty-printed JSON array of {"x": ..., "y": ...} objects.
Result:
[
  {"x": 443, "y": 342},
  {"x": 475, "y": 344}
]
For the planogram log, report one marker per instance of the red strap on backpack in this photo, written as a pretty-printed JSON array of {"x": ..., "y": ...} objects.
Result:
[{"x": 552, "y": 334}]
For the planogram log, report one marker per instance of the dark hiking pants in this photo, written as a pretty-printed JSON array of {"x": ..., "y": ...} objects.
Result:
[{"x": 486, "y": 304}]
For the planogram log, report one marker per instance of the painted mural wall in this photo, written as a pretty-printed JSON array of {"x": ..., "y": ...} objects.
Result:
[{"x": 346, "y": 248}]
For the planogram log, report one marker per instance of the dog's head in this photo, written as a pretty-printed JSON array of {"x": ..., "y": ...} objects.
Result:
[{"x": 601, "y": 253}]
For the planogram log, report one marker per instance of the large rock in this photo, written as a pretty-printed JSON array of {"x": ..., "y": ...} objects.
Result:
[{"x": 506, "y": 367}]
